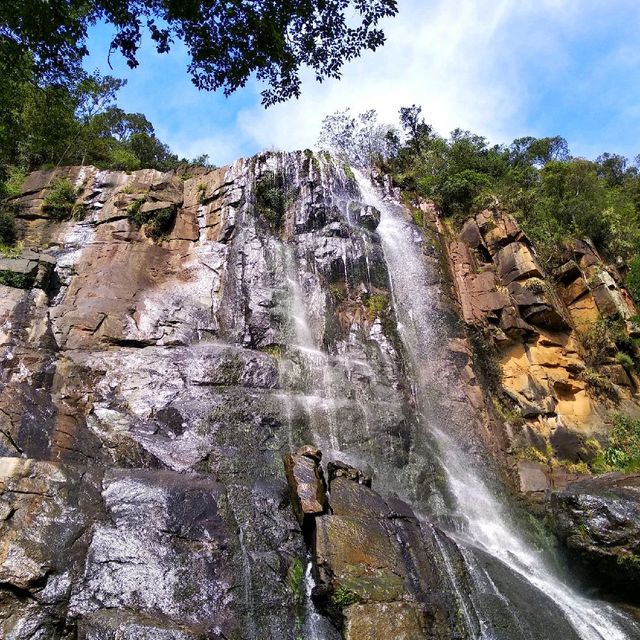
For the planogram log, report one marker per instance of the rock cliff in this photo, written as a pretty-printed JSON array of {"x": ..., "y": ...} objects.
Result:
[{"x": 175, "y": 338}]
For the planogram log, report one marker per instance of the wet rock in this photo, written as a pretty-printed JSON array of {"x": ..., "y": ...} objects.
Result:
[
  {"x": 306, "y": 482},
  {"x": 395, "y": 620},
  {"x": 598, "y": 519},
  {"x": 349, "y": 498},
  {"x": 337, "y": 469},
  {"x": 356, "y": 557},
  {"x": 123, "y": 625}
]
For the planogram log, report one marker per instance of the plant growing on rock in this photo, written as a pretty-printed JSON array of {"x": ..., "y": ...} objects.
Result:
[
  {"x": 156, "y": 222},
  {"x": 8, "y": 231},
  {"x": 60, "y": 200},
  {"x": 271, "y": 198}
]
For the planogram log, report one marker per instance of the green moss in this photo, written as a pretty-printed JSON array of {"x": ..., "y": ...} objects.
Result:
[
  {"x": 348, "y": 172},
  {"x": 532, "y": 454},
  {"x": 274, "y": 350},
  {"x": 295, "y": 579},
  {"x": 59, "y": 202},
  {"x": 377, "y": 305},
  {"x": 343, "y": 597}
]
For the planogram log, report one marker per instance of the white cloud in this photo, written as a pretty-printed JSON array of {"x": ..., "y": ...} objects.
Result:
[{"x": 474, "y": 64}]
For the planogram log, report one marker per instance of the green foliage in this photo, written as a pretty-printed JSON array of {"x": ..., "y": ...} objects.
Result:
[
  {"x": 377, "y": 305},
  {"x": 156, "y": 223},
  {"x": 554, "y": 197},
  {"x": 600, "y": 385},
  {"x": 632, "y": 281},
  {"x": 532, "y": 454},
  {"x": 17, "y": 280},
  {"x": 509, "y": 414},
  {"x": 344, "y": 597},
  {"x": 625, "y": 360},
  {"x": 271, "y": 198},
  {"x": 295, "y": 578},
  {"x": 11, "y": 251},
  {"x": 60, "y": 200},
  {"x": 597, "y": 343},
  {"x": 622, "y": 452},
  {"x": 226, "y": 43},
  {"x": 8, "y": 231}
]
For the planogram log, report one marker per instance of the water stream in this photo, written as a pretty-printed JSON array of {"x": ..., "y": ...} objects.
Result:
[{"x": 486, "y": 525}]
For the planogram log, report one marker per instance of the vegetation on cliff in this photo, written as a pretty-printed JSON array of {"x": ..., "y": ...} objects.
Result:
[{"x": 553, "y": 195}]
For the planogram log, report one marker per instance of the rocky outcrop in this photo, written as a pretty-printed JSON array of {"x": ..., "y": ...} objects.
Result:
[
  {"x": 553, "y": 395},
  {"x": 598, "y": 520}
]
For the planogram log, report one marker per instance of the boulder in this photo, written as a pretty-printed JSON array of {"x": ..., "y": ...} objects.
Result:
[
  {"x": 598, "y": 520},
  {"x": 306, "y": 482},
  {"x": 517, "y": 262},
  {"x": 470, "y": 234}
]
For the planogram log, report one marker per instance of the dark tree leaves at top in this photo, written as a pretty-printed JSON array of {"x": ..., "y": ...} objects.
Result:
[{"x": 228, "y": 41}]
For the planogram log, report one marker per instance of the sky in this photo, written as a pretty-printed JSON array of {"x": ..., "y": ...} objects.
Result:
[{"x": 500, "y": 68}]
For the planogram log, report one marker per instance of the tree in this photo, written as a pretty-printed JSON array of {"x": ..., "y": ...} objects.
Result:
[
  {"x": 360, "y": 140},
  {"x": 418, "y": 132},
  {"x": 228, "y": 41}
]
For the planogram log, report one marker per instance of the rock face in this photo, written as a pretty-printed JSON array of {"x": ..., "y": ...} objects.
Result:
[
  {"x": 169, "y": 350},
  {"x": 163, "y": 355},
  {"x": 598, "y": 519},
  {"x": 553, "y": 398}
]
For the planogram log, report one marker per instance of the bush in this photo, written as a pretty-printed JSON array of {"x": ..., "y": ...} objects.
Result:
[
  {"x": 622, "y": 452},
  {"x": 599, "y": 384},
  {"x": 60, "y": 200},
  {"x": 271, "y": 199},
  {"x": 156, "y": 223},
  {"x": 8, "y": 231}
]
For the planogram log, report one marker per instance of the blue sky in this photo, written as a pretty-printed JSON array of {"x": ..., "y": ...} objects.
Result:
[{"x": 501, "y": 68}]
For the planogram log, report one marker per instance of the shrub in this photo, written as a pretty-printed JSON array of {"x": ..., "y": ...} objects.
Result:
[
  {"x": 632, "y": 281},
  {"x": 599, "y": 384},
  {"x": 623, "y": 444},
  {"x": 625, "y": 360},
  {"x": 597, "y": 343},
  {"x": 8, "y": 232},
  {"x": 156, "y": 223},
  {"x": 60, "y": 200},
  {"x": 271, "y": 198}
]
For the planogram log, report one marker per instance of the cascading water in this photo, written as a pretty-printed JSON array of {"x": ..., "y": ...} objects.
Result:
[{"x": 485, "y": 525}]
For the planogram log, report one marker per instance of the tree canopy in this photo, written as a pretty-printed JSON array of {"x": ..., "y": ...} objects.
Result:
[{"x": 228, "y": 41}]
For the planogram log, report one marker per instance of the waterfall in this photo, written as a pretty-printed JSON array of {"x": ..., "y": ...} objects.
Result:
[{"x": 486, "y": 526}]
